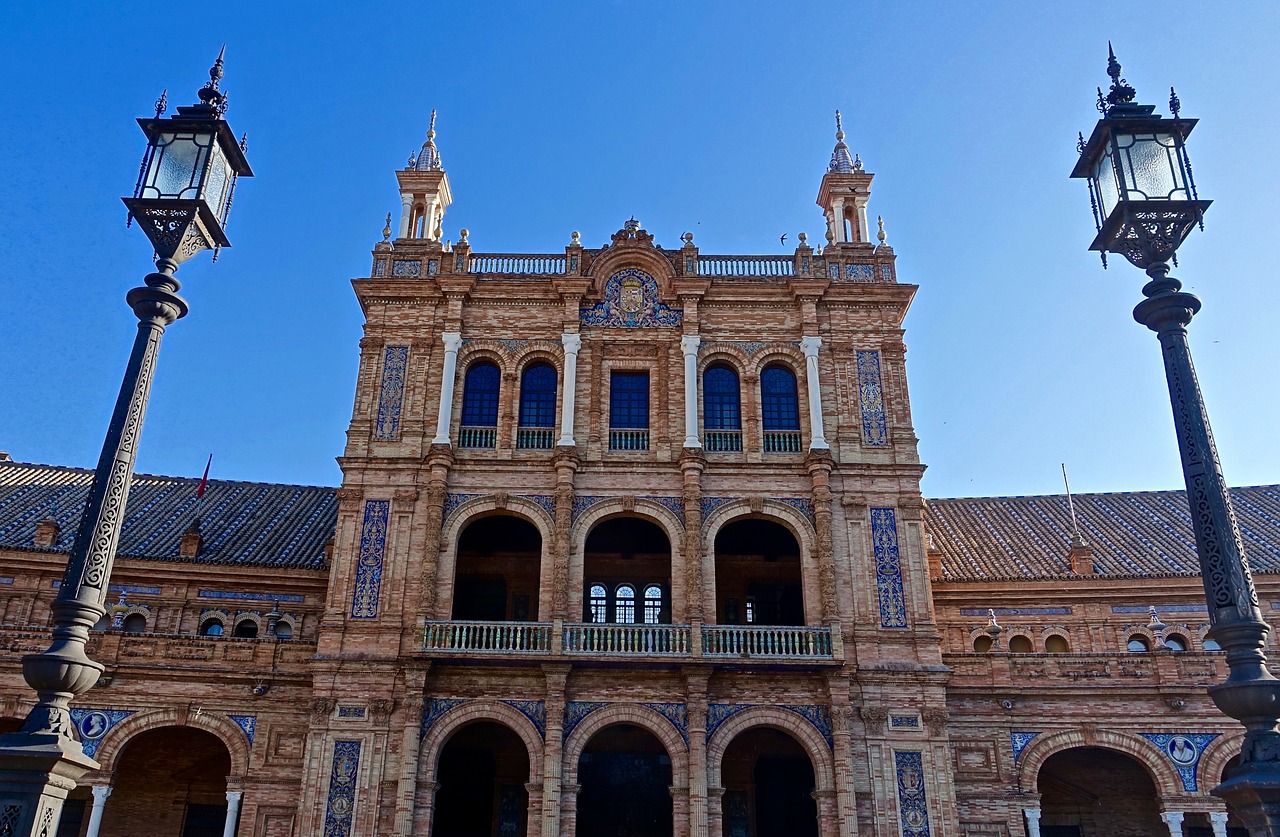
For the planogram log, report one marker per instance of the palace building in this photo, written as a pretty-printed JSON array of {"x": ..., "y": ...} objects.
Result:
[{"x": 630, "y": 542}]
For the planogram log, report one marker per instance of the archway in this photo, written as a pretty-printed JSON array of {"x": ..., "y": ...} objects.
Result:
[
  {"x": 481, "y": 777},
  {"x": 1235, "y": 828},
  {"x": 497, "y": 570},
  {"x": 768, "y": 783},
  {"x": 627, "y": 573},
  {"x": 1097, "y": 792},
  {"x": 174, "y": 779},
  {"x": 758, "y": 574},
  {"x": 625, "y": 775}
]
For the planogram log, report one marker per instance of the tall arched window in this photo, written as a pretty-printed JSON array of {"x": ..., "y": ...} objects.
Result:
[
  {"x": 780, "y": 410},
  {"x": 652, "y": 604},
  {"x": 721, "y": 410},
  {"x": 599, "y": 603},
  {"x": 624, "y": 605},
  {"x": 537, "y": 407},
  {"x": 480, "y": 406}
]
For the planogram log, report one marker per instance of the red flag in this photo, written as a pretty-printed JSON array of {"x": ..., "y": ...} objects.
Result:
[{"x": 205, "y": 479}]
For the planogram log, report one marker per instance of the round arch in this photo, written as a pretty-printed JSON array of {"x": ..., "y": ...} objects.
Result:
[
  {"x": 1215, "y": 757},
  {"x": 637, "y": 715},
  {"x": 1140, "y": 749},
  {"x": 647, "y": 510},
  {"x": 720, "y": 354},
  {"x": 491, "y": 505},
  {"x": 782, "y": 355},
  {"x": 793, "y": 521},
  {"x": 780, "y": 719},
  {"x": 541, "y": 354},
  {"x": 621, "y": 257},
  {"x": 222, "y": 727},
  {"x": 476, "y": 711}
]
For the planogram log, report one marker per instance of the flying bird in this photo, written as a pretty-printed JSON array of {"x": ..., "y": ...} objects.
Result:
[{"x": 783, "y": 239}]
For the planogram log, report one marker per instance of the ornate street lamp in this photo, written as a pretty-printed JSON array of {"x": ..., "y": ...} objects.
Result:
[
  {"x": 181, "y": 202},
  {"x": 1145, "y": 203}
]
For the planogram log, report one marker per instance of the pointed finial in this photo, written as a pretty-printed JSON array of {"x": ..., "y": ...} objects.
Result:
[
  {"x": 386, "y": 231},
  {"x": 880, "y": 235},
  {"x": 1175, "y": 104},
  {"x": 244, "y": 141},
  {"x": 841, "y": 162},
  {"x": 1121, "y": 92},
  {"x": 857, "y": 162},
  {"x": 1080, "y": 142},
  {"x": 431, "y": 128},
  {"x": 839, "y": 127},
  {"x": 428, "y": 156},
  {"x": 413, "y": 160},
  {"x": 162, "y": 104},
  {"x": 210, "y": 95}
]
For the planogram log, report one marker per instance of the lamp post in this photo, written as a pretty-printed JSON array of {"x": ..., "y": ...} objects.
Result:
[
  {"x": 181, "y": 201},
  {"x": 1145, "y": 204}
]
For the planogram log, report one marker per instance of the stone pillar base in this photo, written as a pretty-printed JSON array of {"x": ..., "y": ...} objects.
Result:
[
  {"x": 1253, "y": 793},
  {"x": 36, "y": 774}
]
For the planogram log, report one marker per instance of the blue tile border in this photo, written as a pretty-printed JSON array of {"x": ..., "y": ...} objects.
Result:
[
  {"x": 576, "y": 711},
  {"x": 373, "y": 545},
  {"x": 1020, "y": 740},
  {"x": 875, "y": 428},
  {"x": 433, "y": 709},
  {"x": 240, "y": 595},
  {"x": 676, "y": 713},
  {"x": 718, "y": 713},
  {"x": 93, "y": 724},
  {"x": 339, "y": 809},
  {"x": 888, "y": 563},
  {"x": 391, "y": 393},
  {"x": 534, "y": 710},
  {"x": 913, "y": 806},
  {"x": 1019, "y": 611},
  {"x": 248, "y": 725}
]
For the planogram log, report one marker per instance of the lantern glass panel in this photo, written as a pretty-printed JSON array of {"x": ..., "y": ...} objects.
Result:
[
  {"x": 1151, "y": 167},
  {"x": 177, "y": 165},
  {"x": 218, "y": 182},
  {"x": 1104, "y": 175}
]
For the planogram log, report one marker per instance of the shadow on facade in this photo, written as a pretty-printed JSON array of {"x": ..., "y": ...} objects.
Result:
[
  {"x": 758, "y": 576},
  {"x": 173, "y": 780},
  {"x": 499, "y": 560},
  {"x": 483, "y": 770},
  {"x": 768, "y": 781},
  {"x": 626, "y": 566},
  {"x": 625, "y": 775}
]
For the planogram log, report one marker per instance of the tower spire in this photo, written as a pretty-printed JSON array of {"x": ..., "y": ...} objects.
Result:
[
  {"x": 841, "y": 162},
  {"x": 429, "y": 156}
]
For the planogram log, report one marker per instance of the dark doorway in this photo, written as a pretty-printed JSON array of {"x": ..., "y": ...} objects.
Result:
[
  {"x": 625, "y": 774},
  {"x": 173, "y": 780},
  {"x": 627, "y": 573},
  {"x": 73, "y": 816},
  {"x": 496, "y": 580},
  {"x": 769, "y": 782},
  {"x": 482, "y": 773},
  {"x": 1096, "y": 792},
  {"x": 758, "y": 578},
  {"x": 205, "y": 821}
]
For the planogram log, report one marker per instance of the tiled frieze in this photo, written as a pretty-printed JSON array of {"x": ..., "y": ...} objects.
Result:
[
  {"x": 888, "y": 561},
  {"x": 340, "y": 805},
  {"x": 391, "y": 393},
  {"x": 913, "y": 807},
  {"x": 1184, "y": 750},
  {"x": 373, "y": 547},
  {"x": 875, "y": 431}
]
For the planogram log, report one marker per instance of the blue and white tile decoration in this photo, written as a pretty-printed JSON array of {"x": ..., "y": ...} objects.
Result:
[
  {"x": 884, "y": 547},
  {"x": 433, "y": 709},
  {"x": 241, "y": 595},
  {"x": 886, "y": 273},
  {"x": 452, "y": 501},
  {"x": 351, "y": 712},
  {"x": 248, "y": 725},
  {"x": 710, "y": 505},
  {"x": 801, "y": 504},
  {"x": 406, "y": 267},
  {"x": 1020, "y": 740},
  {"x": 576, "y": 711},
  {"x": 573, "y": 264},
  {"x": 676, "y": 713},
  {"x": 93, "y": 724},
  {"x": 1020, "y": 611},
  {"x": 718, "y": 713},
  {"x": 913, "y": 807},
  {"x": 859, "y": 273},
  {"x": 546, "y": 501},
  {"x": 130, "y": 589},
  {"x": 433, "y": 267},
  {"x": 817, "y": 715},
  {"x": 1168, "y": 608},
  {"x": 675, "y": 505},
  {"x": 833, "y": 270},
  {"x": 1184, "y": 750},
  {"x": 340, "y": 806},
  {"x": 582, "y": 502},
  {"x": 373, "y": 547},
  {"x": 391, "y": 393},
  {"x": 379, "y": 267},
  {"x": 904, "y": 722},
  {"x": 690, "y": 266},
  {"x": 631, "y": 301},
  {"x": 534, "y": 710},
  {"x": 875, "y": 430}
]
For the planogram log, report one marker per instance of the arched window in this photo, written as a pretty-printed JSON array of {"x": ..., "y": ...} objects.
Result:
[
  {"x": 982, "y": 643},
  {"x": 480, "y": 406},
  {"x": 537, "y": 407},
  {"x": 652, "y": 604},
  {"x": 211, "y": 627},
  {"x": 246, "y": 629},
  {"x": 780, "y": 410},
  {"x": 721, "y": 409},
  {"x": 599, "y": 603},
  {"x": 1055, "y": 644},
  {"x": 284, "y": 630},
  {"x": 624, "y": 606},
  {"x": 1175, "y": 642},
  {"x": 135, "y": 623},
  {"x": 1211, "y": 644},
  {"x": 1137, "y": 643},
  {"x": 1020, "y": 645}
]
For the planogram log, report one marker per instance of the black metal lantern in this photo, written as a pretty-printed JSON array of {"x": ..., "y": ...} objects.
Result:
[
  {"x": 188, "y": 175},
  {"x": 1140, "y": 183}
]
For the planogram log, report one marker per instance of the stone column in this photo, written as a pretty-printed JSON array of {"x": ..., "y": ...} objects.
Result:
[
  {"x": 715, "y": 812},
  {"x": 1173, "y": 819},
  {"x": 837, "y": 211},
  {"x": 429, "y": 218},
  {"x": 1033, "y": 821},
  {"x": 568, "y": 811},
  {"x": 410, "y": 754},
  {"x": 828, "y": 826},
  {"x": 696, "y": 707},
  {"x": 864, "y": 228},
  {"x": 842, "y": 735},
  {"x": 1218, "y": 820},
  {"x": 233, "y": 813},
  {"x": 100, "y": 794},
  {"x": 572, "y": 344},
  {"x": 679, "y": 810},
  {"x": 406, "y": 214},
  {"x": 689, "y": 345},
  {"x": 452, "y": 340},
  {"x": 533, "y": 816},
  {"x": 817, "y": 439},
  {"x": 427, "y": 807},
  {"x": 558, "y": 800}
]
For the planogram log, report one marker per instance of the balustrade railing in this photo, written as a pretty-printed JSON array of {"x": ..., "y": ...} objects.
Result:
[
  {"x": 627, "y": 639},
  {"x": 765, "y": 641},
  {"x": 498, "y": 637},
  {"x": 722, "y": 441},
  {"x": 477, "y": 437},
  {"x": 513, "y": 263},
  {"x": 782, "y": 441},
  {"x": 746, "y": 266},
  {"x": 543, "y": 438},
  {"x": 628, "y": 439}
]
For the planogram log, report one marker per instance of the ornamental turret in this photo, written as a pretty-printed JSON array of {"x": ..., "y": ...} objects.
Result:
[
  {"x": 844, "y": 194},
  {"x": 424, "y": 191}
]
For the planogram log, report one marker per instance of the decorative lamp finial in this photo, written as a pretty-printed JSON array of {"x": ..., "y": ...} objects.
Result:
[
  {"x": 386, "y": 231},
  {"x": 839, "y": 127},
  {"x": 687, "y": 238},
  {"x": 631, "y": 224},
  {"x": 1121, "y": 92},
  {"x": 841, "y": 162},
  {"x": 162, "y": 104},
  {"x": 463, "y": 233},
  {"x": 1175, "y": 104},
  {"x": 210, "y": 95},
  {"x": 857, "y": 162},
  {"x": 431, "y": 128},
  {"x": 880, "y": 234},
  {"x": 429, "y": 155},
  {"x": 804, "y": 239},
  {"x": 1157, "y": 627}
]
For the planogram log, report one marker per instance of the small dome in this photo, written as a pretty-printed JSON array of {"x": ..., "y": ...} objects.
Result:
[{"x": 429, "y": 156}]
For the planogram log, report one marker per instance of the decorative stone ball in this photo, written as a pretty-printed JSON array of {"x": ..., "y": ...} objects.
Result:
[
  {"x": 803, "y": 237},
  {"x": 464, "y": 232},
  {"x": 687, "y": 237}
]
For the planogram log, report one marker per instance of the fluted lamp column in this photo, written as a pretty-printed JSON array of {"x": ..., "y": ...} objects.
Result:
[
  {"x": 1145, "y": 204},
  {"x": 181, "y": 201}
]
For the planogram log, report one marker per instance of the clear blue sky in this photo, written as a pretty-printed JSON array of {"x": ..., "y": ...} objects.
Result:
[{"x": 711, "y": 117}]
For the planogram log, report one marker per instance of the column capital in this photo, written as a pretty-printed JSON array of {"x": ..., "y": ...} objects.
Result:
[
  {"x": 572, "y": 342},
  {"x": 101, "y": 792},
  {"x": 452, "y": 340},
  {"x": 809, "y": 345},
  {"x": 1173, "y": 819},
  {"x": 234, "y": 796},
  {"x": 689, "y": 344}
]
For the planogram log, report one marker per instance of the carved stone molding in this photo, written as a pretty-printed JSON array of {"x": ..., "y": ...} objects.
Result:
[
  {"x": 935, "y": 718},
  {"x": 406, "y": 496},
  {"x": 756, "y": 504},
  {"x": 380, "y": 709},
  {"x": 349, "y": 495},
  {"x": 321, "y": 709},
  {"x": 874, "y": 718}
]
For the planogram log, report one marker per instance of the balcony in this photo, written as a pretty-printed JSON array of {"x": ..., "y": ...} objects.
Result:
[
  {"x": 477, "y": 437},
  {"x": 765, "y": 643},
  {"x": 722, "y": 441},
  {"x": 782, "y": 441},
  {"x": 628, "y": 439},
  {"x": 535, "y": 438}
]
